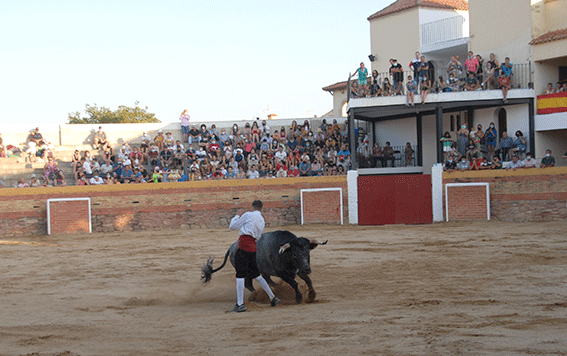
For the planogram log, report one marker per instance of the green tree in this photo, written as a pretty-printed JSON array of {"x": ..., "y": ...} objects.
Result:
[{"x": 103, "y": 115}]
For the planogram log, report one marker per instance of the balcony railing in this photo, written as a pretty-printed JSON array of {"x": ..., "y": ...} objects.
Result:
[
  {"x": 521, "y": 79},
  {"x": 443, "y": 30}
]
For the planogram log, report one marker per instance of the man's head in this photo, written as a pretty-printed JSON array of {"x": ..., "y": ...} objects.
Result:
[
  {"x": 257, "y": 205},
  {"x": 548, "y": 153},
  {"x": 515, "y": 158}
]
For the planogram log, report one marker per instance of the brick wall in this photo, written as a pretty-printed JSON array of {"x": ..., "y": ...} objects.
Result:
[
  {"x": 466, "y": 203},
  {"x": 165, "y": 205},
  {"x": 521, "y": 195},
  {"x": 69, "y": 216},
  {"x": 322, "y": 207}
]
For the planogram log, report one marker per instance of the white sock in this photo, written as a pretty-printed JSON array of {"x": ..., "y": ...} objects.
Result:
[
  {"x": 262, "y": 282},
  {"x": 239, "y": 291}
]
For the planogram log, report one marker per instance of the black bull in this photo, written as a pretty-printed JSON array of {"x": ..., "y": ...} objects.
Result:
[{"x": 280, "y": 254}]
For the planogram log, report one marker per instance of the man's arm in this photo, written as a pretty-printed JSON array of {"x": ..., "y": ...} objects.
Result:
[{"x": 237, "y": 222}]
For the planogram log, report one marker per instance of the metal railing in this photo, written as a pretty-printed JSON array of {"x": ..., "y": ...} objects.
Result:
[
  {"x": 399, "y": 159},
  {"x": 443, "y": 30}
]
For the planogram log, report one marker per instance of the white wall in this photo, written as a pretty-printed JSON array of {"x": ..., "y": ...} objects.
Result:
[
  {"x": 397, "y": 132},
  {"x": 553, "y": 140}
]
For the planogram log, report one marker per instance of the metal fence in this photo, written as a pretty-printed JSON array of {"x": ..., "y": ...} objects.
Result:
[{"x": 443, "y": 30}]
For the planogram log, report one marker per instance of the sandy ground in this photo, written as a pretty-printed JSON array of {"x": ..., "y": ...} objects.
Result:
[{"x": 484, "y": 288}]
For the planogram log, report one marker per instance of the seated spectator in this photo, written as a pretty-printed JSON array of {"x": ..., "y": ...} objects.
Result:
[
  {"x": 166, "y": 157},
  {"x": 50, "y": 169},
  {"x": 388, "y": 155},
  {"x": 453, "y": 83},
  {"x": 548, "y": 160},
  {"x": 412, "y": 91},
  {"x": 293, "y": 171},
  {"x": 476, "y": 163},
  {"x": 529, "y": 162},
  {"x": 375, "y": 89},
  {"x": 506, "y": 68},
  {"x": 450, "y": 164},
  {"x": 59, "y": 180},
  {"x": 22, "y": 183},
  {"x": 96, "y": 180},
  {"x": 146, "y": 142},
  {"x": 504, "y": 85},
  {"x": 159, "y": 140},
  {"x": 179, "y": 157},
  {"x": 83, "y": 180},
  {"x": 305, "y": 167},
  {"x": 174, "y": 176},
  {"x": 253, "y": 173},
  {"x": 496, "y": 162},
  {"x": 169, "y": 141},
  {"x": 156, "y": 175},
  {"x": 100, "y": 140},
  {"x": 194, "y": 136},
  {"x": 386, "y": 88},
  {"x": 549, "y": 89},
  {"x": 108, "y": 179},
  {"x": 463, "y": 164},
  {"x": 127, "y": 175},
  {"x": 515, "y": 164},
  {"x": 33, "y": 181},
  {"x": 471, "y": 83},
  {"x": 519, "y": 144},
  {"x": 490, "y": 80},
  {"x": 153, "y": 156},
  {"x": 505, "y": 145},
  {"x": 486, "y": 164},
  {"x": 214, "y": 149}
]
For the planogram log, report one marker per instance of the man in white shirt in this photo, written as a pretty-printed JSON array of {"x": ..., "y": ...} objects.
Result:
[
  {"x": 250, "y": 225},
  {"x": 96, "y": 180}
]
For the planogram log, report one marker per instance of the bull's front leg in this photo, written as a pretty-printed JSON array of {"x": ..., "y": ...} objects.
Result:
[
  {"x": 311, "y": 296},
  {"x": 290, "y": 279}
]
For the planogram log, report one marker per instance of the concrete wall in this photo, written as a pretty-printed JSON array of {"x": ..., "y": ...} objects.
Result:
[
  {"x": 164, "y": 205},
  {"x": 501, "y": 27},
  {"x": 548, "y": 16},
  {"x": 521, "y": 195},
  {"x": 394, "y": 36},
  {"x": 553, "y": 140}
]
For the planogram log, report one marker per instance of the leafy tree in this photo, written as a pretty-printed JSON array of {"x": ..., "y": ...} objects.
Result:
[{"x": 103, "y": 115}]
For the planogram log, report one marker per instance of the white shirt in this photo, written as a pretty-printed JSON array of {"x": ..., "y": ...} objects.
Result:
[
  {"x": 250, "y": 223},
  {"x": 96, "y": 181}
]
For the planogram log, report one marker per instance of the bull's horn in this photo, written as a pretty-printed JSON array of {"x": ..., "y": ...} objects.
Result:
[
  {"x": 315, "y": 242},
  {"x": 284, "y": 247}
]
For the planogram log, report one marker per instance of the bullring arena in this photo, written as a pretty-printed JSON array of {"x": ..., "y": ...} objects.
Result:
[{"x": 465, "y": 288}]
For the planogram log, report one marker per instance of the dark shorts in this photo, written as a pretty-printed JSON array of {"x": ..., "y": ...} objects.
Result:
[
  {"x": 185, "y": 130},
  {"x": 245, "y": 264}
]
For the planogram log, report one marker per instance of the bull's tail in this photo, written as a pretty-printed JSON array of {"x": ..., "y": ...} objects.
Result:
[{"x": 207, "y": 269}]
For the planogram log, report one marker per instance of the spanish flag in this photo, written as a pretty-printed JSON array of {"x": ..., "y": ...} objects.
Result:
[{"x": 551, "y": 103}]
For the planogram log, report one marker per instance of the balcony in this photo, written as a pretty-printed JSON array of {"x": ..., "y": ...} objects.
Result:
[
  {"x": 551, "y": 112},
  {"x": 444, "y": 34}
]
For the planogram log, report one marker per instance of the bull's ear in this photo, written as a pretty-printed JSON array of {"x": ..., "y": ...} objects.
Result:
[{"x": 314, "y": 243}]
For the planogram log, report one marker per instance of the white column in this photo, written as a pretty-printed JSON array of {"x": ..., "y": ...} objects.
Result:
[
  {"x": 437, "y": 191},
  {"x": 352, "y": 186}
]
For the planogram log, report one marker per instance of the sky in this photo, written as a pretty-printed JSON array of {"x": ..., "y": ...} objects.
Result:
[{"x": 221, "y": 60}]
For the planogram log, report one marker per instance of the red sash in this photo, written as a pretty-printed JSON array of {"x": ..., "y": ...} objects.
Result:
[{"x": 247, "y": 243}]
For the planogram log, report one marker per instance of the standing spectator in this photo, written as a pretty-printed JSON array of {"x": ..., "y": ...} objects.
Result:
[
  {"x": 100, "y": 140},
  {"x": 505, "y": 145},
  {"x": 409, "y": 153},
  {"x": 504, "y": 85},
  {"x": 447, "y": 142},
  {"x": 415, "y": 64},
  {"x": 362, "y": 73},
  {"x": 480, "y": 69},
  {"x": 184, "y": 118},
  {"x": 548, "y": 160},
  {"x": 507, "y": 69},
  {"x": 423, "y": 69},
  {"x": 494, "y": 64},
  {"x": 471, "y": 64},
  {"x": 549, "y": 89},
  {"x": 453, "y": 67},
  {"x": 412, "y": 91},
  {"x": 397, "y": 73},
  {"x": 462, "y": 140},
  {"x": 146, "y": 141},
  {"x": 374, "y": 86},
  {"x": 491, "y": 136},
  {"x": 425, "y": 87}
]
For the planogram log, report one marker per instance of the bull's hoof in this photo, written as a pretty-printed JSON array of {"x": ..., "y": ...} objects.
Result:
[
  {"x": 298, "y": 298},
  {"x": 311, "y": 296}
]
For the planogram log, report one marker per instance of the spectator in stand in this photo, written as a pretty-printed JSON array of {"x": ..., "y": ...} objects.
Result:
[
  {"x": 194, "y": 136},
  {"x": 494, "y": 64},
  {"x": 100, "y": 140},
  {"x": 146, "y": 142},
  {"x": 453, "y": 67},
  {"x": 412, "y": 91},
  {"x": 480, "y": 69},
  {"x": 425, "y": 87},
  {"x": 549, "y": 89},
  {"x": 185, "y": 128},
  {"x": 504, "y": 85},
  {"x": 507, "y": 69},
  {"x": 519, "y": 145},
  {"x": 22, "y": 183},
  {"x": 409, "y": 154},
  {"x": 169, "y": 141},
  {"x": 447, "y": 141},
  {"x": 515, "y": 164},
  {"x": 179, "y": 156},
  {"x": 305, "y": 167},
  {"x": 96, "y": 180},
  {"x": 75, "y": 159},
  {"x": 450, "y": 164},
  {"x": 293, "y": 171},
  {"x": 397, "y": 73},
  {"x": 548, "y": 160},
  {"x": 386, "y": 87},
  {"x": 34, "y": 183},
  {"x": 153, "y": 156},
  {"x": 491, "y": 136},
  {"x": 205, "y": 137},
  {"x": 453, "y": 83},
  {"x": 529, "y": 162},
  {"x": 462, "y": 140},
  {"x": 82, "y": 180},
  {"x": 255, "y": 132},
  {"x": 471, "y": 83},
  {"x": 50, "y": 169},
  {"x": 496, "y": 163},
  {"x": 214, "y": 149},
  {"x": 505, "y": 145},
  {"x": 415, "y": 64},
  {"x": 441, "y": 85},
  {"x": 490, "y": 81},
  {"x": 158, "y": 140},
  {"x": 471, "y": 64},
  {"x": 213, "y": 132},
  {"x": 375, "y": 89},
  {"x": 463, "y": 164},
  {"x": 59, "y": 180},
  {"x": 95, "y": 166},
  {"x": 253, "y": 173},
  {"x": 362, "y": 73},
  {"x": 388, "y": 155},
  {"x": 423, "y": 69}
]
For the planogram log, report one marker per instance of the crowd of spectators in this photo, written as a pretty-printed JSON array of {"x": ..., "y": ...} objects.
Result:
[
  {"x": 558, "y": 88},
  {"x": 478, "y": 150},
  {"x": 207, "y": 153},
  {"x": 471, "y": 75}
]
